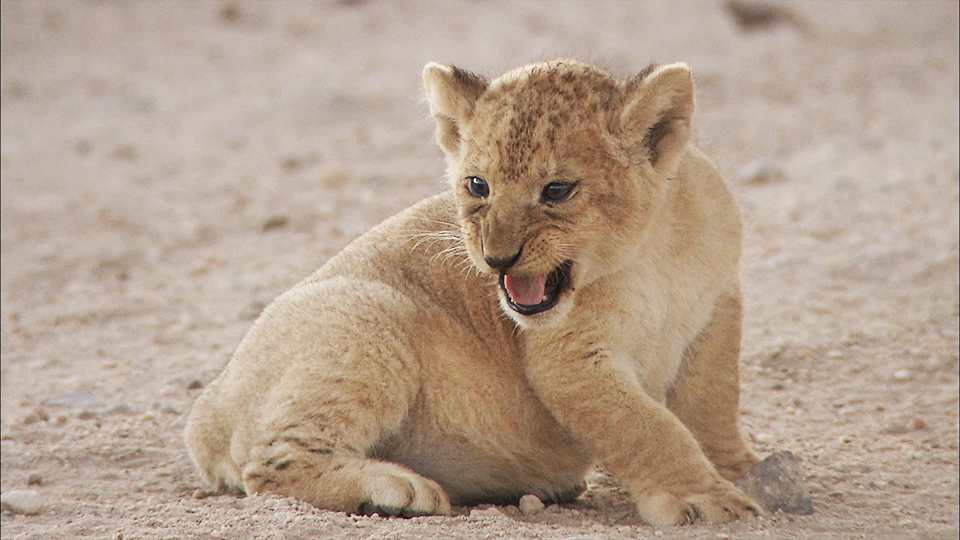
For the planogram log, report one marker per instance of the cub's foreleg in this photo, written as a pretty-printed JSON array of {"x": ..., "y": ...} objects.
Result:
[
  {"x": 643, "y": 444},
  {"x": 706, "y": 394}
]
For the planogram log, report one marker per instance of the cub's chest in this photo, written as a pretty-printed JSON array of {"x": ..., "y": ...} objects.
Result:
[{"x": 646, "y": 319}]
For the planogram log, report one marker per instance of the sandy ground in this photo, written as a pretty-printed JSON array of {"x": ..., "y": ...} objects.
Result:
[{"x": 168, "y": 168}]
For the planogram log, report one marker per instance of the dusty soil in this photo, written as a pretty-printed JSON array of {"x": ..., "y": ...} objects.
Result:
[{"x": 168, "y": 168}]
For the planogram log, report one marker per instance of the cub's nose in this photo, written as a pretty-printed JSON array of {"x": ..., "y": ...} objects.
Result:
[{"x": 501, "y": 264}]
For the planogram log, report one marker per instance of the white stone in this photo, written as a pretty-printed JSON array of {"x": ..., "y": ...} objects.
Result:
[{"x": 25, "y": 501}]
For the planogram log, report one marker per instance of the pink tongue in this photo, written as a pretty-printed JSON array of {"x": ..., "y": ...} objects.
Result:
[{"x": 526, "y": 291}]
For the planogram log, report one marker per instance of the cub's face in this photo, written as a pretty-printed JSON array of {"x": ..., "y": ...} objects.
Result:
[{"x": 558, "y": 170}]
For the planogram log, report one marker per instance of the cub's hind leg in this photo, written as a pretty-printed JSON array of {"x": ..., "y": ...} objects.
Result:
[
  {"x": 351, "y": 376},
  {"x": 340, "y": 480},
  {"x": 706, "y": 394}
]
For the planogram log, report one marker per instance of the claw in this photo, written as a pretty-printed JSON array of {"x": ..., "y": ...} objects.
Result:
[
  {"x": 691, "y": 515},
  {"x": 370, "y": 509}
]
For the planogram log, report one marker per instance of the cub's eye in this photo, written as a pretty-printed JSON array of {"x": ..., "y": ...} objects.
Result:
[
  {"x": 478, "y": 187},
  {"x": 555, "y": 192}
]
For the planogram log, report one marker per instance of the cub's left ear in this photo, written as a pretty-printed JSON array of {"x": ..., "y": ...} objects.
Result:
[
  {"x": 657, "y": 114},
  {"x": 452, "y": 94}
]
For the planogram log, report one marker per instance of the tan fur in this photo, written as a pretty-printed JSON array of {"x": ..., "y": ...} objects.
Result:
[{"x": 398, "y": 379}]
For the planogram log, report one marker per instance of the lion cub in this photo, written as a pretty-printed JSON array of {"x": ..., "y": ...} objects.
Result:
[{"x": 573, "y": 297}]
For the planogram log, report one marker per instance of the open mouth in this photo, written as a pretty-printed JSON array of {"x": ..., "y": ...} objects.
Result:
[{"x": 535, "y": 294}]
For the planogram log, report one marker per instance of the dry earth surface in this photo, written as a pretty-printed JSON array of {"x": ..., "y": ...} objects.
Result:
[{"x": 170, "y": 167}]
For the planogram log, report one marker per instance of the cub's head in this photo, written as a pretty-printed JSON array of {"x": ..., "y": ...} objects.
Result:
[{"x": 558, "y": 170}]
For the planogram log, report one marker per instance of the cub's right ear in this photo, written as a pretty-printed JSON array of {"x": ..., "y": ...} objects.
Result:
[
  {"x": 657, "y": 115},
  {"x": 452, "y": 94}
]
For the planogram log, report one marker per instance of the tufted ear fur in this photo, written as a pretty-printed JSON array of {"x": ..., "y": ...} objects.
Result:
[
  {"x": 452, "y": 94},
  {"x": 657, "y": 113}
]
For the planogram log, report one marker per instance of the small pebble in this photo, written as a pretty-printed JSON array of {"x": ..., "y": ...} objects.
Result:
[
  {"x": 120, "y": 408},
  {"x": 195, "y": 384},
  {"x": 41, "y": 413},
  {"x": 753, "y": 15},
  {"x": 531, "y": 504},
  {"x": 75, "y": 399},
  {"x": 510, "y": 511},
  {"x": 902, "y": 375},
  {"x": 203, "y": 493},
  {"x": 252, "y": 311},
  {"x": 275, "y": 222},
  {"x": 487, "y": 513},
  {"x": 34, "y": 479},
  {"x": 24, "y": 501},
  {"x": 765, "y": 170},
  {"x": 895, "y": 428}
]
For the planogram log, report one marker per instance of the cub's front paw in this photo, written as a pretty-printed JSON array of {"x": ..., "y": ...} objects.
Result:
[
  {"x": 720, "y": 503},
  {"x": 395, "y": 491}
]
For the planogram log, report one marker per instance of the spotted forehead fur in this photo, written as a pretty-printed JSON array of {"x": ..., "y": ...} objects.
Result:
[{"x": 532, "y": 108}]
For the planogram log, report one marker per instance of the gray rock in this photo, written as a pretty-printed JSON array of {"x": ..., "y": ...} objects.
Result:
[
  {"x": 777, "y": 484},
  {"x": 25, "y": 501}
]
